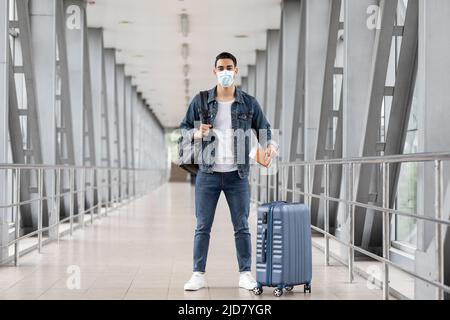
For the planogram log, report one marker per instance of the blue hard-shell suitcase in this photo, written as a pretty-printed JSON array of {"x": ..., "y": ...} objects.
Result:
[{"x": 283, "y": 247}]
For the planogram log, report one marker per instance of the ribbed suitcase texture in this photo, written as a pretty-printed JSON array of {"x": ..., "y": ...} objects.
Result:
[{"x": 283, "y": 246}]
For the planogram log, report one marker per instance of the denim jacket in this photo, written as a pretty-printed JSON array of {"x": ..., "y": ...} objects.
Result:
[{"x": 246, "y": 115}]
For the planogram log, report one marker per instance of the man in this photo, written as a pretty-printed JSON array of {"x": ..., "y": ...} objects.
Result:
[{"x": 232, "y": 113}]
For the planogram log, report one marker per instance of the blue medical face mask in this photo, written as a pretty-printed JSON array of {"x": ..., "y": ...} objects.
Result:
[{"x": 225, "y": 78}]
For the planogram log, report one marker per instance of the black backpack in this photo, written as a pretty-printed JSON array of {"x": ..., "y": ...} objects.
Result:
[{"x": 188, "y": 152}]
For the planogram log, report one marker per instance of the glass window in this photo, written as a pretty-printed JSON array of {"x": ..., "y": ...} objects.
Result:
[{"x": 406, "y": 228}]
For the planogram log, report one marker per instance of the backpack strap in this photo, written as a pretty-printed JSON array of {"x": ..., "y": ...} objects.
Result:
[{"x": 204, "y": 116}]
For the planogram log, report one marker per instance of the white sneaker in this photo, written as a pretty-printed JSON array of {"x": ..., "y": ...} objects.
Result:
[
  {"x": 196, "y": 282},
  {"x": 246, "y": 281}
]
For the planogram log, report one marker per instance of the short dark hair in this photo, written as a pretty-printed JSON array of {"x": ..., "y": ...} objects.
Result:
[{"x": 225, "y": 55}]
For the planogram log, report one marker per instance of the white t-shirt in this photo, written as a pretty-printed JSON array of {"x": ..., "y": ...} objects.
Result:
[{"x": 224, "y": 157}]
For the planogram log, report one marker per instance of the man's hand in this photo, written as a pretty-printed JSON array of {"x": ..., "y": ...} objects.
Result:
[
  {"x": 203, "y": 131},
  {"x": 271, "y": 152}
]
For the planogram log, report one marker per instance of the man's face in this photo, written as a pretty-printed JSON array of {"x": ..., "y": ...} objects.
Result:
[{"x": 225, "y": 64}]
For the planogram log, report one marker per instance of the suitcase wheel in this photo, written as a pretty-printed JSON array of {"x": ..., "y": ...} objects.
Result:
[
  {"x": 289, "y": 288},
  {"x": 257, "y": 291},
  {"x": 278, "y": 292},
  {"x": 307, "y": 288}
]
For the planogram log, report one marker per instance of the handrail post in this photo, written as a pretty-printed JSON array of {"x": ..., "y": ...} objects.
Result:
[
  {"x": 92, "y": 193},
  {"x": 17, "y": 218},
  {"x": 277, "y": 181},
  {"x": 82, "y": 192},
  {"x": 99, "y": 191},
  {"x": 39, "y": 214},
  {"x": 327, "y": 213},
  {"x": 121, "y": 186},
  {"x": 386, "y": 228},
  {"x": 71, "y": 195},
  {"x": 308, "y": 182},
  {"x": 438, "y": 206},
  {"x": 351, "y": 219},
  {"x": 286, "y": 179},
  {"x": 293, "y": 183},
  {"x": 58, "y": 201},
  {"x": 108, "y": 190}
]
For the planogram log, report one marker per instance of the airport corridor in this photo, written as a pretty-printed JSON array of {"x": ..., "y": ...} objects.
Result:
[{"x": 143, "y": 250}]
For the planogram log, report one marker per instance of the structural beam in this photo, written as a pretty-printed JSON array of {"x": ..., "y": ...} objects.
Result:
[
  {"x": 99, "y": 106},
  {"x": 251, "y": 80},
  {"x": 5, "y": 214},
  {"x": 288, "y": 69},
  {"x": 403, "y": 92},
  {"x": 43, "y": 44},
  {"x": 24, "y": 125},
  {"x": 323, "y": 145},
  {"x": 120, "y": 71},
  {"x": 244, "y": 84},
  {"x": 358, "y": 51},
  {"x": 368, "y": 223},
  {"x": 272, "y": 50},
  {"x": 65, "y": 153},
  {"x": 80, "y": 95},
  {"x": 433, "y": 101},
  {"x": 113, "y": 108},
  {"x": 297, "y": 117},
  {"x": 260, "y": 77}
]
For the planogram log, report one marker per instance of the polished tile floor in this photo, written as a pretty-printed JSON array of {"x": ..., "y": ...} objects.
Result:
[{"x": 143, "y": 251}]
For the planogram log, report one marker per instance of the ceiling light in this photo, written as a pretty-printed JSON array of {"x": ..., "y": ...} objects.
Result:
[
  {"x": 125, "y": 22},
  {"x": 139, "y": 56},
  {"x": 186, "y": 69},
  {"x": 241, "y": 36},
  {"x": 185, "y": 50},
  {"x": 184, "y": 23}
]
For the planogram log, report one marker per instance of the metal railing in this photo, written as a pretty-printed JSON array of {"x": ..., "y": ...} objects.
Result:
[
  {"x": 101, "y": 188},
  {"x": 350, "y": 202}
]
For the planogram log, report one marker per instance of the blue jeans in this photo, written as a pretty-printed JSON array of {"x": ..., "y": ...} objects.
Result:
[{"x": 208, "y": 187}]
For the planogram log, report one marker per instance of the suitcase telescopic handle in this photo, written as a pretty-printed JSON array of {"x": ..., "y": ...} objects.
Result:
[{"x": 264, "y": 246}]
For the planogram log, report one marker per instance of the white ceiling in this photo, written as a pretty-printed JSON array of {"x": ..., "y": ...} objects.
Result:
[{"x": 150, "y": 46}]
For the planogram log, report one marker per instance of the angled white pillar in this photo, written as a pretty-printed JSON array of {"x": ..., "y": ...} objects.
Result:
[
  {"x": 433, "y": 101},
  {"x": 251, "y": 80},
  {"x": 358, "y": 48},
  {"x": 43, "y": 43},
  {"x": 260, "y": 77},
  {"x": 100, "y": 106},
  {"x": 244, "y": 82},
  {"x": 358, "y": 52},
  {"x": 74, "y": 37},
  {"x": 120, "y": 72},
  {"x": 4, "y": 127},
  {"x": 95, "y": 40},
  {"x": 291, "y": 16},
  {"x": 317, "y": 25},
  {"x": 113, "y": 111},
  {"x": 80, "y": 95},
  {"x": 127, "y": 124},
  {"x": 272, "y": 57},
  {"x": 132, "y": 137}
]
